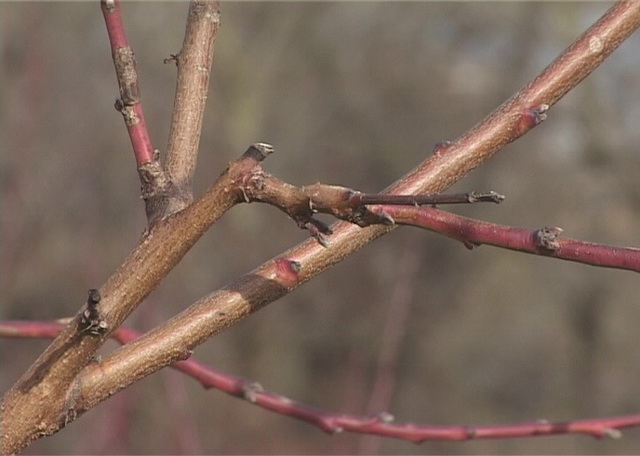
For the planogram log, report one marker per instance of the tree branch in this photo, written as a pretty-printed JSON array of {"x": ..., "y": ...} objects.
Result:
[
  {"x": 156, "y": 186},
  {"x": 544, "y": 241},
  {"x": 127, "y": 76},
  {"x": 450, "y": 162},
  {"x": 194, "y": 69},
  {"x": 34, "y": 407},
  {"x": 381, "y": 424}
]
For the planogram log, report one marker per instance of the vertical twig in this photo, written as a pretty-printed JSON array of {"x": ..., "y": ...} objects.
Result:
[
  {"x": 194, "y": 70},
  {"x": 155, "y": 184},
  {"x": 127, "y": 75}
]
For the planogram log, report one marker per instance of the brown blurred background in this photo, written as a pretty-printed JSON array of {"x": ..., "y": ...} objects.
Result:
[{"x": 354, "y": 94}]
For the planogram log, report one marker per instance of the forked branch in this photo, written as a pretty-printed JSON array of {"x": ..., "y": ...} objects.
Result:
[{"x": 302, "y": 203}]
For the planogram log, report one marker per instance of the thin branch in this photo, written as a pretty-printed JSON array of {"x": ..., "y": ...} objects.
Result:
[
  {"x": 156, "y": 187},
  {"x": 360, "y": 199},
  {"x": 194, "y": 70},
  {"x": 381, "y": 424},
  {"x": 127, "y": 75},
  {"x": 302, "y": 203},
  {"x": 543, "y": 241}
]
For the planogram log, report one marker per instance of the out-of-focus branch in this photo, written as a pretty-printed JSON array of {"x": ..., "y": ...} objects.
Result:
[
  {"x": 381, "y": 424},
  {"x": 194, "y": 70},
  {"x": 280, "y": 275},
  {"x": 391, "y": 341},
  {"x": 544, "y": 241}
]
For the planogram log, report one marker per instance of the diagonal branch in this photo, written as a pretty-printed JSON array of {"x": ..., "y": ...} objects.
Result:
[
  {"x": 129, "y": 103},
  {"x": 33, "y": 410}
]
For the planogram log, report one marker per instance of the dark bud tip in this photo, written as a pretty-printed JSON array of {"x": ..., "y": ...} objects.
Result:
[
  {"x": 440, "y": 147},
  {"x": 532, "y": 117},
  {"x": 259, "y": 151},
  {"x": 295, "y": 266},
  {"x": 94, "y": 297}
]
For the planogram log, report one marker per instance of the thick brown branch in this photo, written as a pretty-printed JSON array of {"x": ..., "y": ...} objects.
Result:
[
  {"x": 194, "y": 70},
  {"x": 31, "y": 408}
]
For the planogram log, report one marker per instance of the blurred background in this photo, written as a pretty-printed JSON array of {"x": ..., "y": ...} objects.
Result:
[{"x": 353, "y": 94}]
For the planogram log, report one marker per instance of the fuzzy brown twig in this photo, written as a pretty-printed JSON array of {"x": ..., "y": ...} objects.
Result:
[{"x": 194, "y": 70}]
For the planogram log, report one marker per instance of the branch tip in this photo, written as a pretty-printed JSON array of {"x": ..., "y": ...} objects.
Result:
[
  {"x": 110, "y": 5},
  {"x": 259, "y": 151},
  {"x": 490, "y": 197},
  {"x": 613, "y": 433}
]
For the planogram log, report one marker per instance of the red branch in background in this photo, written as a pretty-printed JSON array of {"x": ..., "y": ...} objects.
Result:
[
  {"x": 380, "y": 424},
  {"x": 544, "y": 241},
  {"x": 129, "y": 102}
]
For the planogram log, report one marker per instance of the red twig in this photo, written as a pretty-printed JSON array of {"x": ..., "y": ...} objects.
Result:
[
  {"x": 129, "y": 102},
  {"x": 380, "y": 424},
  {"x": 544, "y": 241}
]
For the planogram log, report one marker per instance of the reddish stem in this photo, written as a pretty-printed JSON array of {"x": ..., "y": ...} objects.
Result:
[
  {"x": 544, "y": 241},
  {"x": 129, "y": 103},
  {"x": 381, "y": 424}
]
